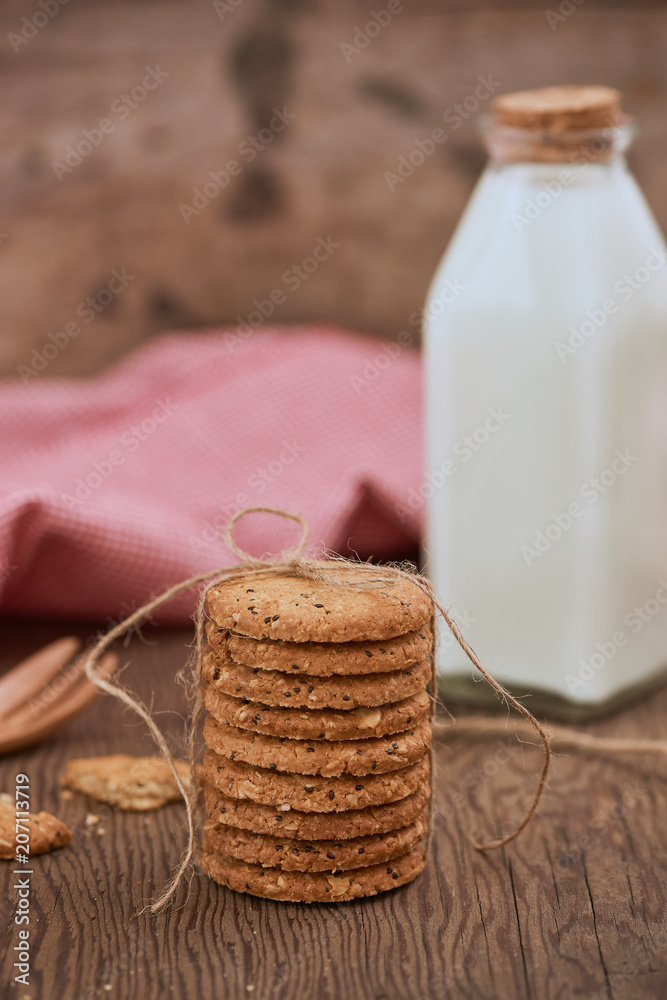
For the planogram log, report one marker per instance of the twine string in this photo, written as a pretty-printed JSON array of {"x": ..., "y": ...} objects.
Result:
[
  {"x": 482, "y": 728},
  {"x": 291, "y": 562},
  {"x": 291, "y": 555},
  {"x": 535, "y": 725}
]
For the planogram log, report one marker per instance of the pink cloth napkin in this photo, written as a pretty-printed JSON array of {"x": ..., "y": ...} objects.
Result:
[{"x": 115, "y": 487}]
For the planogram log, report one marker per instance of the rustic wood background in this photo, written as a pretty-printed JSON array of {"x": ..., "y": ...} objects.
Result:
[
  {"x": 228, "y": 67},
  {"x": 576, "y": 909}
]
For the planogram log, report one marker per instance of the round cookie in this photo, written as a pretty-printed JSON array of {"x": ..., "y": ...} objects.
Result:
[
  {"x": 311, "y": 794},
  {"x": 343, "y": 605},
  {"x": 313, "y": 826},
  {"x": 322, "y": 659},
  {"x": 328, "y": 758},
  {"x": 316, "y": 855},
  {"x": 272, "y": 687},
  {"x": 311, "y": 887},
  {"x": 318, "y": 723}
]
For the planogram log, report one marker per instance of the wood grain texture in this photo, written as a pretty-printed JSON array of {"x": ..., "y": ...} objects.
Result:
[
  {"x": 576, "y": 908},
  {"x": 323, "y": 175}
]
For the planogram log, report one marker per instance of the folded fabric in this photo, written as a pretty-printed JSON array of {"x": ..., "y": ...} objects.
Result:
[{"x": 115, "y": 487}]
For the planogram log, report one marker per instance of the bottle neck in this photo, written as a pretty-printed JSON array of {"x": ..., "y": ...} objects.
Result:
[{"x": 507, "y": 145}]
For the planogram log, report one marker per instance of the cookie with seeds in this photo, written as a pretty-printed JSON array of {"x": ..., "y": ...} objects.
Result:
[
  {"x": 314, "y": 826},
  {"x": 45, "y": 831},
  {"x": 132, "y": 784},
  {"x": 315, "y": 855},
  {"x": 322, "y": 659},
  {"x": 272, "y": 687},
  {"x": 329, "y": 758},
  {"x": 317, "y": 723},
  {"x": 346, "y": 603},
  {"x": 311, "y": 887},
  {"x": 309, "y": 793}
]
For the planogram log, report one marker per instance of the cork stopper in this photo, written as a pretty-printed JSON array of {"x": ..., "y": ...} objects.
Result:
[{"x": 559, "y": 109}]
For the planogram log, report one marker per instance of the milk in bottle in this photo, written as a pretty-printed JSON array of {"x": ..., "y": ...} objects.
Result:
[{"x": 546, "y": 403}]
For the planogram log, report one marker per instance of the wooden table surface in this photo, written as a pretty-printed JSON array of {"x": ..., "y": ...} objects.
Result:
[{"x": 575, "y": 908}]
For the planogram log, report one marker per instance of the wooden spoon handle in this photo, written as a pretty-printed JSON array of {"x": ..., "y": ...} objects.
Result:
[
  {"x": 33, "y": 674},
  {"x": 27, "y": 728}
]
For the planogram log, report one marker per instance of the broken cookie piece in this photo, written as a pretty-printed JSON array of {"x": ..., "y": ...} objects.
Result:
[
  {"x": 133, "y": 784},
  {"x": 46, "y": 832}
]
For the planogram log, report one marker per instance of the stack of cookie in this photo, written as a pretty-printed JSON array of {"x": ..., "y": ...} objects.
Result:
[{"x": 317, "y": 768}]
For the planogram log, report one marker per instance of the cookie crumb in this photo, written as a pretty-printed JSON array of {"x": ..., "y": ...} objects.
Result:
[
  {"x": 46, "y": 831},
  {"x": 132, "y": 784}
]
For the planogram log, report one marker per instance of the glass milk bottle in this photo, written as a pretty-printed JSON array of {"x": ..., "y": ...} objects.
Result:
[{"x": 546, "y": 410}]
